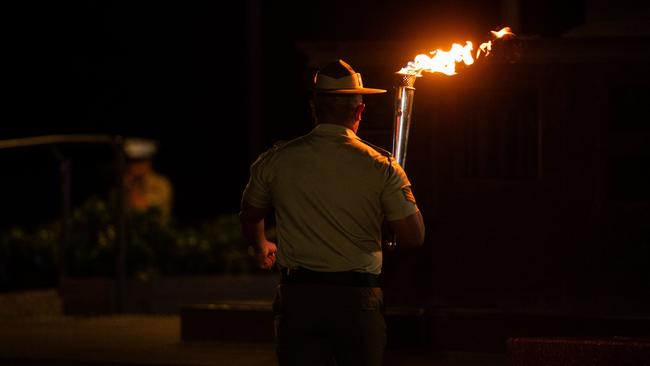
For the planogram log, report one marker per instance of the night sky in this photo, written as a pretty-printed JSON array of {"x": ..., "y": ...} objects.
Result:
[{"x": 180, "y": 72}]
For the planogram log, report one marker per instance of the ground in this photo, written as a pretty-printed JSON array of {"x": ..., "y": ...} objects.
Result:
[{"x": 34, "y": 332}]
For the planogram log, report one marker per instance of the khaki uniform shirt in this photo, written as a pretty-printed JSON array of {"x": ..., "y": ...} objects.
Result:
[
  {"x": 157, "y": 191},
  {"x": 330, "y": 192}
]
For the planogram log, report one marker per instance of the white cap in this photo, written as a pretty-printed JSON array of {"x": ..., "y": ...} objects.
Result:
[{"x": 137, "y": 148}]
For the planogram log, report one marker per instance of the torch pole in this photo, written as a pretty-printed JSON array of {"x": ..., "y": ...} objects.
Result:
[{"x": 404, "y": 93}]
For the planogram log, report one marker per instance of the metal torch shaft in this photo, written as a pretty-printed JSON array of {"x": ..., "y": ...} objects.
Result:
[{"x": 404, "y": 93}]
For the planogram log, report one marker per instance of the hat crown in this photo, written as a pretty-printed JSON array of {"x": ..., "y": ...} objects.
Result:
[
  {"x": 337, "y": 69},
  {"x": 339, "y": 77}
]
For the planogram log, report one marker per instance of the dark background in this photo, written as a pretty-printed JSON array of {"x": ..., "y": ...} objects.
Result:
[
  {"x": 531, "y": 168},
  {"x": 214, "y": 82}
]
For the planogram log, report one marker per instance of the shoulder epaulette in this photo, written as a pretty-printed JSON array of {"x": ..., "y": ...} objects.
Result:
[{"x": 380, "y": 150}]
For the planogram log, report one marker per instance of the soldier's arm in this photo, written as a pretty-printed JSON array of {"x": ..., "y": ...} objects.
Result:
[
  {"x": 252, "y": 226},
  {"x": 409, "y": 230}
]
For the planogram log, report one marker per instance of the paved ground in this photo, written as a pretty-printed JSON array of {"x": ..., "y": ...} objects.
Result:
[
  {"x": 120, "y": 340},
  {"x": 39, "y": 335},
  {"x": 155, "y": 340}
]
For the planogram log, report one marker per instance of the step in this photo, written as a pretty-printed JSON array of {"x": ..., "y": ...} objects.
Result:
[
  {"x": 593, "y": 351},
  {"x": 253, "y": 321},
  {"x": 415, "y": 327}
]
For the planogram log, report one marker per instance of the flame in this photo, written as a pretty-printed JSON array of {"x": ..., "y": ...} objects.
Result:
[{"x": 445, "y": 61}]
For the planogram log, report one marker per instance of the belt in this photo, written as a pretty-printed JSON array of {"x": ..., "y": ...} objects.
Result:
[{"x": 302, "y": 276}]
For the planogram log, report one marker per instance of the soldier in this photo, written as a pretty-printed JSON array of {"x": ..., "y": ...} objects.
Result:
[
  {"x": 330, "y": 192},
  {"x": 145, "y": 189}
]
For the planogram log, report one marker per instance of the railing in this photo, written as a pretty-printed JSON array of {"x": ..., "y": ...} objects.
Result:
[{"x": 117, "y": 144}]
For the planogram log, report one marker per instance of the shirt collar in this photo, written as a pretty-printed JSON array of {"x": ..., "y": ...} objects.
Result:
[{"x": 333, "y": 130}]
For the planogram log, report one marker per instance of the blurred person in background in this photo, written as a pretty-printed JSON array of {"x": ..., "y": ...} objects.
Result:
[{"x": 145, "y": 189}]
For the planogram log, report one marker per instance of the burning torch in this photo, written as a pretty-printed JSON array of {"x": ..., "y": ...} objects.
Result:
[{"x": 439, "y": 61}]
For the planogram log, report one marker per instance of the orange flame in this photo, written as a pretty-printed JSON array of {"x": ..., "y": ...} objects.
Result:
[{"x": 445, "y": 61}]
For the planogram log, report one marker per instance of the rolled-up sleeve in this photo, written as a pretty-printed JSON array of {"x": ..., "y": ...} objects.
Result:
[
  {"x": 397, "y": 200},
  {"x": 257, "y": 192}
]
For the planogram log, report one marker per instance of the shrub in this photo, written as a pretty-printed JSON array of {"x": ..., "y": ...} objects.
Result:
[{"x": 28, "y": 258}]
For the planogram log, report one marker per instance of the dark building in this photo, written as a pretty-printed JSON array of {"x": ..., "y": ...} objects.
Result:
[{"x": 531, "y": 170}]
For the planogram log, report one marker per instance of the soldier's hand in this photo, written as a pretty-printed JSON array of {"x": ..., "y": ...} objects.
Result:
[{"x": 265, "y": 254}]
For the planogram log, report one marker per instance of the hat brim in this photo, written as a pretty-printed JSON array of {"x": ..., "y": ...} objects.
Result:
[{"x": 350, "y": 91}]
